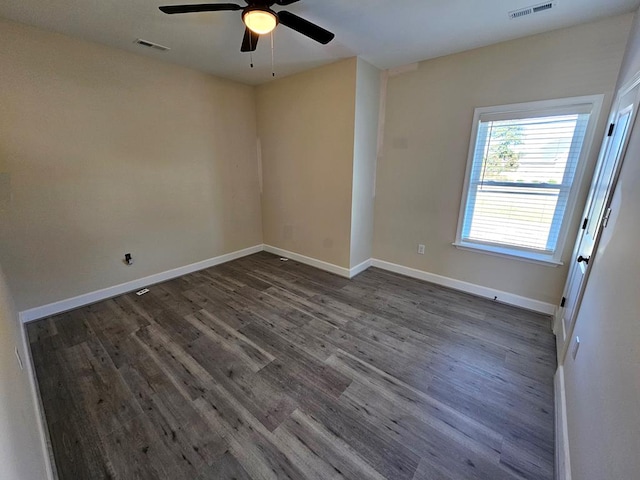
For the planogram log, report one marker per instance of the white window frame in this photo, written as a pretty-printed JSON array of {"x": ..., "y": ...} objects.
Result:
[{"x": 524, "y": 110}]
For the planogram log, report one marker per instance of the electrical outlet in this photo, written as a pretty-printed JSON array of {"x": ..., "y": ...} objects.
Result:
[{"x": 421, "y": 249}]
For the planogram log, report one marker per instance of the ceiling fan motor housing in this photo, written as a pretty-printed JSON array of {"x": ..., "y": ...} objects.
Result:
[{"x": 260, "y": 19}]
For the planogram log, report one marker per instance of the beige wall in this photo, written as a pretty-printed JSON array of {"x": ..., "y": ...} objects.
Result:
[
  {"x": 306, "y": 131},
  {"x": 427, "y": 128},
  {"x": 364, "y": 161},
  {"x": 603, "y": 382},
  {"x": 107, "y": 153},
  {"x": 631, "y": 64},
  {"x": 21, "y": 454}
]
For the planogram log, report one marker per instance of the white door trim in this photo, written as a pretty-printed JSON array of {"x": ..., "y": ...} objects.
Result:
[{"x": 563, "y": 336}]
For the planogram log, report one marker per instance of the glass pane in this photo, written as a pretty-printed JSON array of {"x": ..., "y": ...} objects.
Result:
[
  {"x": 516, "y": 216},
  {"x": 521, "y": 179},
  {"x": 528, "y": 150}
]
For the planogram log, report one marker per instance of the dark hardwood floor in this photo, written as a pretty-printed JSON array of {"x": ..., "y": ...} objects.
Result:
[{"x": 263, "y": 369}]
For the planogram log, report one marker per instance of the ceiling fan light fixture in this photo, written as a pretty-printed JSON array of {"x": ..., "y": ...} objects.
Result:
[{"x": 259, "y": 20}]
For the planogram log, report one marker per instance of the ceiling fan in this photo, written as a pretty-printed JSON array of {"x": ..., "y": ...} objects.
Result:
[{"x": 259, "y": 19}]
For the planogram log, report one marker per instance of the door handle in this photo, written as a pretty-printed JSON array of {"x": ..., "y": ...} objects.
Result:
[{"x": 583, "y": 259}]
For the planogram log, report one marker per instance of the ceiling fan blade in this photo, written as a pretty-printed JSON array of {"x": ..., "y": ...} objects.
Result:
[
  {"x": 250, "y": 41},
  {"x": 201, "y": 7},
  {"x": 305, "y": 27},
  {"x": 286, "y": 2}
]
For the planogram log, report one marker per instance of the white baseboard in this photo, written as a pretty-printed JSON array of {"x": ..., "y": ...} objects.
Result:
[
  {"x": 43, "y": 430},
  {"x": 479, "y": 290},
  {"x": 326, "y": 266},
  {"x": 92, "y": 297},
  {"x": 96, "y": 296},
  {"x": 563, "y": 464},
  {"x": 359, "y": 268}
]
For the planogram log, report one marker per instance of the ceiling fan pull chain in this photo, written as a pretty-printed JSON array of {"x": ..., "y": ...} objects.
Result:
[
  {"x": 273, "y": 73},
  {"x": 251, "y": 50}
]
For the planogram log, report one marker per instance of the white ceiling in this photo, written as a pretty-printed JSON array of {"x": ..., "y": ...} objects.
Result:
[{"x": 386, "y": 33}]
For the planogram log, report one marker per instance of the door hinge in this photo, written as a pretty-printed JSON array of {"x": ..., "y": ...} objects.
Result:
[
  {"x": 564, "y": 300},
  {"x": 584, "y": 224},
  {"x": 605, "y": 219},
  {"x": 611, "y": 127}
]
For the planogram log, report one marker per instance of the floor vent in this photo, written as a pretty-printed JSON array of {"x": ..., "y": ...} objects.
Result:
[
  {"x": 148, "y": 44},
  {"x": 532, "y": 9}
]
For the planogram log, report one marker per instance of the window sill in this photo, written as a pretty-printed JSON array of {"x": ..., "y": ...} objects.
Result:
[{"x": 508, "y": 253}]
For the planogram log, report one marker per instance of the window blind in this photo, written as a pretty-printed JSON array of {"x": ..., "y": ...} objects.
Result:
[{"x": 521, "y": 178}]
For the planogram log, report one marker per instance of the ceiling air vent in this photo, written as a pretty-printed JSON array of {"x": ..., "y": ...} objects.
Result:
[
  {"x": 532, "y": 9},
  {"x": 148, "y": 44}
]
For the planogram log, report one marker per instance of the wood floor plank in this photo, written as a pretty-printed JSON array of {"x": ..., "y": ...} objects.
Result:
[
  {"x": 225, "y": 336},
  {"x": 468, "y": 459},
  {"x": 195, "y": 376},
  {"x": 319, "y": 452},
  {"x": 174, "y": 363},
  {"x": 294, "y": 368},
  {"x": 79, "y": 450},
  {"x": 226, "y": 468},
  {"x": 387, "y": 455},
  {"x": 37, "y": 331},
  {"x": 172, "y": 295},
  {"x": 76, "y": 445},
  {"x": 72, "y": 328},
  {"x": 98, "y": 387},
  {"x": 269, "y": 369},
  {"x": 135, "y": 451},
  {"x": 268, "y": 403},
  {"x": 167, "y": 408},
  {"x": 376, "y": 353},
  {"x": 250, "y": 443},
  {"x": 234, "y": 316},
  {"x": 526, "y": 459},
  {"x": 406, "y": 400}
]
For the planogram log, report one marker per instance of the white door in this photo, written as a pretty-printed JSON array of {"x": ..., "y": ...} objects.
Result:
[{"x": 596, "y": 213}]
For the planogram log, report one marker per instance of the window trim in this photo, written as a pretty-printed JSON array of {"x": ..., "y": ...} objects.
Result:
[{"x": 524, "y": 110}]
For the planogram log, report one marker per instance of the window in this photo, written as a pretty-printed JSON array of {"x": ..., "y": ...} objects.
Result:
[{"x": 525, "y": 163}]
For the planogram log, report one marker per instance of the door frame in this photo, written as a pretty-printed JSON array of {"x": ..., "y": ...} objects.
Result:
[{"x": 563, "y": 344}]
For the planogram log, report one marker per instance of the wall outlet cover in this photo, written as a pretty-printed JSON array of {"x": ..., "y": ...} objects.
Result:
[
  {"x": 576, "y": 346},
  {"x": 19, "y": 359}
]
